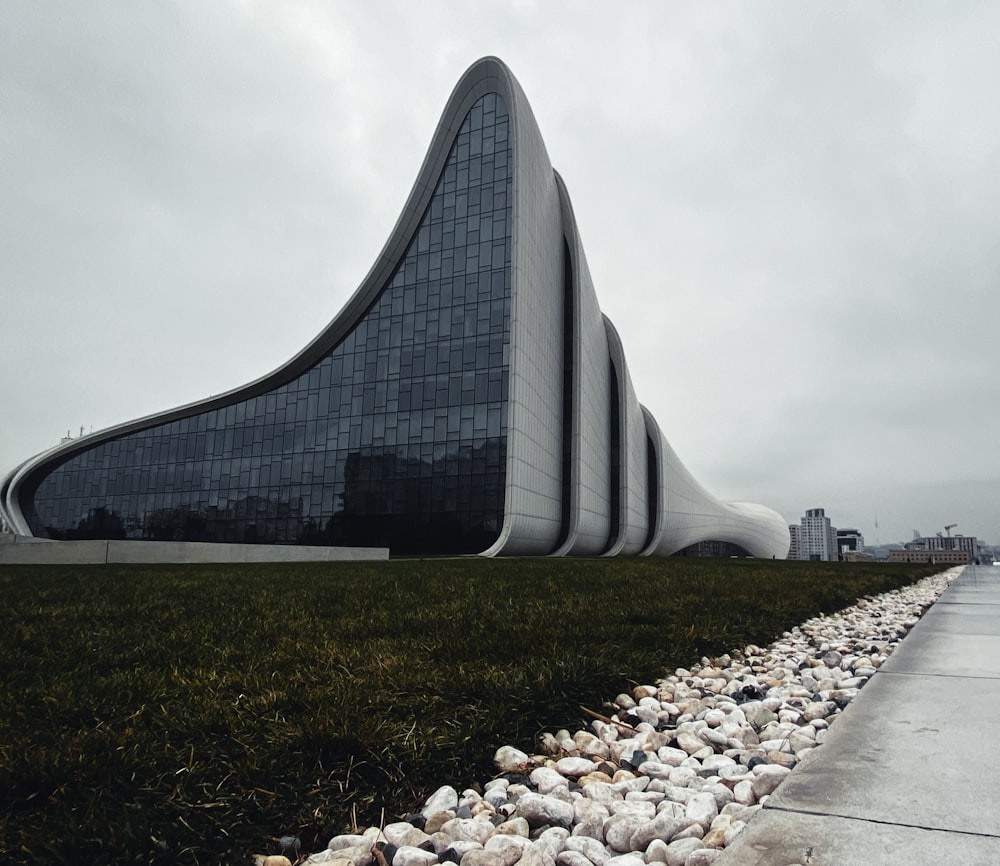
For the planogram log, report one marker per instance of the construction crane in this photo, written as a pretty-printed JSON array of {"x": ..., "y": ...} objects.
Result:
[{"x": 949, "y": 528}]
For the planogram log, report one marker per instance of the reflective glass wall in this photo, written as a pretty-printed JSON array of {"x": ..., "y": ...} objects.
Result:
[{"x": 396, "y": 438}]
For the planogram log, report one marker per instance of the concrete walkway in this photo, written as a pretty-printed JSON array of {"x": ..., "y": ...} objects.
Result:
[{"x": 910, "y": 772}]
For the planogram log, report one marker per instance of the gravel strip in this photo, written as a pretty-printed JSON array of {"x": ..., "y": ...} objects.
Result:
[{"x": 672, "y": 774}]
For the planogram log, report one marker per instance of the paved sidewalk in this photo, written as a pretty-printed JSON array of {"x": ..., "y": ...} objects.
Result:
[{"x": 910, "y": 772}]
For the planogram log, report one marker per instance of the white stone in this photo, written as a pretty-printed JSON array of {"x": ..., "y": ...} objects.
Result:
[
  {"x": 469, "y": 829},
  {"x": 712, "y": 737},
  {"x": 692, "y": 831},
  {"x": 536, "y": 857},
  {"x": 625, "y": 860},
  {"x": 589, "y": 817},
  {"x": 496, "y": 796},
  {"x": 717, "y": 762},
  {"x": 781, "y": 758},
  {"x": 458, "y": 847},
  {"x": 508, "y": 843},
  {"x": 602, "y": 792},
  {"x": 549, "y": 745},
  {"x": 358, "y": 855},
  {"x": 634, "y": 783},
  {"x": 702, "y": 808},
  {"x": 546, "y": 779},
  {"x": 400, "y": 833},
  {"x": 574, "y": 767},
  {"x": 346, "y": 840},
  {"x": 723, "y": 795},
  {"x": 734, "y": 773},
  {"x": 663, "y": 827},
  {"x": 513, "y": 827},
  {"x": 619, "y": 829},
  {"x": 702, "y": 857},
  {"x": 671, "y": 756},
  {"x": 654, "y": 769},
  {"x": 689, "y": 742},
  {"x": 410, "y": 856},
  {"x": 679, "y": 850},
  {"x": 656, "y": 852},
  {"x": 507, "y": 759},
  {"x": 470, "y": 798},
  {"x": 766, "y": 783},
  {"x": 551, "y": 841},
  {"x": 592, "y": 746},
  {"x": 672, "y": 808},
  {"x": 538, "y": 809},
  {"x": 800, "y": 740},
  {"x": 325, "y": 856},
  {"x": 714, "y": 718},
  {"x": 592, "y": 849},
  {"x": 758, "y": 715},
  {"x": 819, "y": 710},
  {"x": 734, "y": 830},
  {"x": 443, "y": 799},
  {"x": 648, "y": 796},
  {"x": 682, "y": 777},
  {"x": 743, "y": 792},
  {"x": 639, "y": 808},
  {"x": 679, "y": 795}
]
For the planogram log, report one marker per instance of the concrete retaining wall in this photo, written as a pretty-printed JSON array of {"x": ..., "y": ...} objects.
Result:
[{"x": 33, "y": 551}]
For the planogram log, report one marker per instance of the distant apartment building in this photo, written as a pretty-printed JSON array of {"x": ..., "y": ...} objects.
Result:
[
  {"x": 936, "y": 546},
  {"x": 956, "y": 557},
  {"x": 850, "y": 541},
  {"x": 793, "y": 549},
  {"x": 968, "y": 543},
  {"x": 817, "y": 538}
]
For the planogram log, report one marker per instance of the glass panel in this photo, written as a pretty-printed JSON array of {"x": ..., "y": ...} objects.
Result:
[{"x": 315, "y": 460}]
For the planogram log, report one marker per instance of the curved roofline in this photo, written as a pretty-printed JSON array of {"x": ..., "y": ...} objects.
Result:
[
  {"x": 487, "y": 74},
  {"x": 542, "y": 220}
]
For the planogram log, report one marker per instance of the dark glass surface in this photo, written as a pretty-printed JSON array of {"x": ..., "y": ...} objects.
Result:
[
  {"x": 713, "y": 548},
  {"x": 397, "y": 437},
  {"x": 569, "y": 361},
  {"x": 615, "y": 484}
]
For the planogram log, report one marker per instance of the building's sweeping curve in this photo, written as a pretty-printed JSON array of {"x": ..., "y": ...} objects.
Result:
[{"x": 469, "y": 398}]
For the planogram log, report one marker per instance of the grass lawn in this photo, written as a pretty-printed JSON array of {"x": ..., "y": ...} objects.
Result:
[{"x": 189, "y": 714}]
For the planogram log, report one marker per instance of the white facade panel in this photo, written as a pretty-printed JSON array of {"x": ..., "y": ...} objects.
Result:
[
  {"x": 633, "y": 505},
  {"x": 532, "y": 521},
  {"x": 692, "y": 515},
  {"x": 590, "y": 446},
  {"x": 657, "y": 511}
]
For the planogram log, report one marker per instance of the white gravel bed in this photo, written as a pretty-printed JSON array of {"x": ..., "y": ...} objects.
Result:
[{"x": 672, "y": 774}]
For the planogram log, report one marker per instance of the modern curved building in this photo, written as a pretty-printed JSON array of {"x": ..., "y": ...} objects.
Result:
[{"x": 470, "y": 398}]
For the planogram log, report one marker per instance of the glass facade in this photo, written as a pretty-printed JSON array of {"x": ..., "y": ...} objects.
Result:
[{"x": 395, "y": 438}]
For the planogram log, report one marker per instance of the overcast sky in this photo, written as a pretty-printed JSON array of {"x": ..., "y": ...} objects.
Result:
[{"x": 791, "y": 213}]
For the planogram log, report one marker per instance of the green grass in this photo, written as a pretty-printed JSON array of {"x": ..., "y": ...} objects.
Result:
[{"x": 190, "y": 714}]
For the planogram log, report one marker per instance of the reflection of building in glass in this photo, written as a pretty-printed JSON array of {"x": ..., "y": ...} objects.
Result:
[
  {"x": 713, "y": 549},
  {"x": 471, "y": 397}
]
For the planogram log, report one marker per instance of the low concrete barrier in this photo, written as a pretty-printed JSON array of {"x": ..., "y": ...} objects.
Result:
[{"x": 27, "y": 551}]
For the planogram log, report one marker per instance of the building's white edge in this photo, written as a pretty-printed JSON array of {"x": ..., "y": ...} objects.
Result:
[{"x": 542, "y": 218}]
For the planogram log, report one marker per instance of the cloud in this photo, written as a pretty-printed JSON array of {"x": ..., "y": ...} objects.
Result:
[{"x": 790, "y": 213}]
